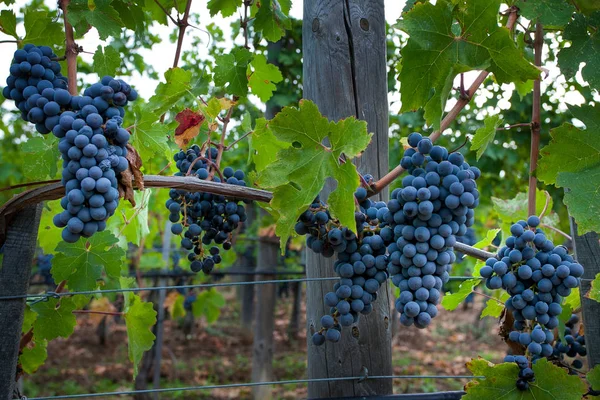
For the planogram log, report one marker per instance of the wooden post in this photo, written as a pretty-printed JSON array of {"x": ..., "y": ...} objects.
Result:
[
  {"x": 247, "y": 262},
  {"x": 166, "y": 258},
  {"x": 294, "y": 326},
  {"x": 19, "y": 248},
  {"x": 266, "y": 296},
  {"x": 345, "y": 74},
  {"x": 587, "y": 253}
]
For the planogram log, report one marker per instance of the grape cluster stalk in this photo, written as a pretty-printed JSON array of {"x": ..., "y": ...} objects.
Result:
[{"x": 92, "y": 141}]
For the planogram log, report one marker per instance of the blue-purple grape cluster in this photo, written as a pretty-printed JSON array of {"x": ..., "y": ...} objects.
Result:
[
  {"x": 44, "y": 264},
  {"x": 535, "y": 273},
  {"x": 435, "y": 205},
  {"x": 92, "y": 141},
  {"x": 573, "y": 345},
  {"x": 205, "y": 218},
  {"x": 361, "y": 260},
  {"x": 37, "y": 87},
  {"x": 526, "y": 374}
]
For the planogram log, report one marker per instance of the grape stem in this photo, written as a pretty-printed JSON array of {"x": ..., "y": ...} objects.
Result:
[
  {"x": 488, "y": 297},
  {"x": 244, "y": 23},
  {"x": 238, "y": 140},
  {"x": 548, "y": 198},
  {"x": 536, "y": 119},
  {"x": 522, "y": 124},
  {"x": 221, "y": 146},
  {"x": 71, "y": 50},
  {"x": 557, "y": 231},
  {"x": 8, "y": 41},
  {"x": 212, "y": 164},
  {"x": 166, "y": 12},
  {"x": 473, "y": 252},
  {"x": 462, "y": 101}
]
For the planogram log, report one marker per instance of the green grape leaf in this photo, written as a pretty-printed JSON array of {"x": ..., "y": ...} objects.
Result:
[
  {"x": 493, "y": 308},
  {"x": 42, "y": 29},
  {"x": 585, "y": 48},
  {"x": 231, "y": 71},
  {"x": 263, "y": 77},
  {"x": 593, "y": 377},
  {"x": 133, "y": 16},
  {"x": 499, "y": 382},
  {"x": 28, "y": 318},
  {"x": 563, "y": 318},
  {"x": 167, "y": 94},
  {"x": 208, "y": 304},
  {"x": 246, "y": 124},
  {"x": 8, "y": 23},
  {"x": 572, "y": 161},
  {"x": 264, "y": 146},
  {"x": 140, "y": 316},
  {"x": 106, "y": 61},
  {"x": 34, "y": 357},
  {"x": 573, "y": 299},
  {"x": 49, "y": 235},
  {"x": 226, "y": 7},
  {"x": 587, "y": 7},
  {"x": 100, "y": 14},
  {"x": 176, "y": 309},
  {"x": 136, "y": 227},
  {"x": 451, "y": 301},
  {"x": 485, "y": 135},
  {"x": 512, "y": 210},
  {"x": 81, "y": 263},
  {"x": 488, "y": 239},
  {"x": 149, "y": 136},
  {"x": 594, "y": 292},
  {"x": 434, "y": 54},
  {"x": 272, "y": 18},
  {"x": 549, "y": 12},
  {"x": 55, "y": 318},
  {"x": 299, "y": 173},
  {"x": 40, "y": 159}
]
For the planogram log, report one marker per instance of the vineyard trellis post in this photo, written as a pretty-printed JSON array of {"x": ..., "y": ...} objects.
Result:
[
  {"x": 345, "y": 74},
  {"x": 19, "y": 249},
  {"x": 587, "y": 253}
]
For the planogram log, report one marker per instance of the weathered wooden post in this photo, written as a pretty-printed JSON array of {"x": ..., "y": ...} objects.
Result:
[
  {"x": 19, "y": 248},
  {"x": 344, "y": 49},
  {"x": 266, "y": 296},
  {"x": 587, "y": 253}
]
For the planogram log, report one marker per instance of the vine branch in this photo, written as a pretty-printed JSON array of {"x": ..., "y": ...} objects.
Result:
[
  {"x": 71, "y": 50},
  {"x": 536, "y": 119},
  {"x": 462, "y": 101}
]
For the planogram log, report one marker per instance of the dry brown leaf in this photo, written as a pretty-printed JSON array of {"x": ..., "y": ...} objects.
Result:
[{"x": 188, "y": 128}]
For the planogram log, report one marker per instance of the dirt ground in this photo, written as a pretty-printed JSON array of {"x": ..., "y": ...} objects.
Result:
[{"x": 222, "y": 354}]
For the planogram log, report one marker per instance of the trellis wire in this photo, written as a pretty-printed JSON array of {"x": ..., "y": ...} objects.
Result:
[
  {"x": 249, "y": 384},
  {"x": 50, "y": 294}
]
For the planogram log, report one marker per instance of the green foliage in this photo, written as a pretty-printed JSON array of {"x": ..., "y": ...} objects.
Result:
[
  {"x": 549, "y": 12},
  {"x": 177, "y": 85},
  {"x": 8, "y": 23},
  {"x": 225, "y": 7},
  {"x": 493, "y": 308},
  {"x": 230, "y": 71},
  {"x": 485, "y": 135},
  {"x": 451, "y": 301},
  {"x": 41, "y": 157},
  {"x": 594, "y": 292},
  {"x": 150, "y": 136},
  {"x": 572, "y": 161},
  {"x": 263, "y": 78},
  {"x": 271, "y": 18},
  {"x": 264, "y": 146},
  {"x": 133, "y": 226},
  {"x": 488, "y": 239},
  {"x": 585, "y": 48},
  {"x": 551, "y": 382},
  {"x": 54, "y": 318},
  {"x": 42, "y": 29},
  {"x": 593, "y": 377},
  {"x": 99, "y": 14},
  {"x": 300, "y": 171},
  {"x": 106, "y": 61},
  {"x": 83, "y": 262},
  {"x": 34, "y": 357},
  {"x": 208, "y": 304},
  {"x": 435, "y": 53},
  {"x": 140, "y": 316}
]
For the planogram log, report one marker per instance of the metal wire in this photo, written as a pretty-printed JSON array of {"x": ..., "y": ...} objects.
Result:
[
  {"x": 50, "y": 294},
  {"x": 250, "y": 384}
]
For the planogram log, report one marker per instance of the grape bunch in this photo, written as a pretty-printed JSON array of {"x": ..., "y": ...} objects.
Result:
[
  {"x": 535, "y": 273},
  {"x": 44, "y": 265},
  {"x": 434, "y": 206},
  {"x": 526, "y": 374},
  {"x": 37, "y": 87},
  {"x": 573, "y": 345},
  {"x": 538, "y": 342},
  {"x": 205, "y": 218},
  {"x": 361, "y": 260}
]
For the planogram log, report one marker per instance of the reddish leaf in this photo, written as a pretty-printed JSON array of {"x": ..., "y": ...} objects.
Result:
[{"x": 189, "y": 126}]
